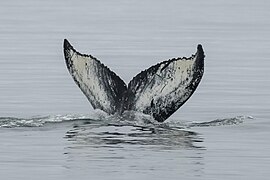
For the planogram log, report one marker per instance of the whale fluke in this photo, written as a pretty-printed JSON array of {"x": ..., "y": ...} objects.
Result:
[
  {"x": 102, "y": 87},
  {"x": 158, "y": 91},
  {"x": 165, "y": 87}
]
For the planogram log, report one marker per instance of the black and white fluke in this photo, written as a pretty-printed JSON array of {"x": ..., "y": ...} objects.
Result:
[{"x": 158, "y": 91}]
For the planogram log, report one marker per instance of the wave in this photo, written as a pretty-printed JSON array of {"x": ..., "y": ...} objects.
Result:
[
  {"x": 128, "y": 119},
  {"x": 11, "y": 122},
  {"x": 221, "y": 122},
  {"x": 101, "y": 130}
]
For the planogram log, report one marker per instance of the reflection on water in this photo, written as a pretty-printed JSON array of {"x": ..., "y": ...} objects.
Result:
[
  {"x": 94, "y": 133},
  {"x": 118, "y": 149}
]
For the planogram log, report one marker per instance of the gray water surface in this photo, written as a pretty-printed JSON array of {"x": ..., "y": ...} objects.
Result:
[{"x": 48, "y": 129}]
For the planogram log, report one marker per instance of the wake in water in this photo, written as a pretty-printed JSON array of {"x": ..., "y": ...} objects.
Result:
[
  {"x": 102, "y": 130},
  {"x": 129, "y": 118},
  {"x": 12, "y": 122}
]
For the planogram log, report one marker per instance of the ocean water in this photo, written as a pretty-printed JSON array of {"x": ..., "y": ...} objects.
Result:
[{"x": 48, "y": 129}]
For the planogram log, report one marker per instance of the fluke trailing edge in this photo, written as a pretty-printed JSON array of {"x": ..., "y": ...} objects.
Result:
[{"x": 158, "y": 91}]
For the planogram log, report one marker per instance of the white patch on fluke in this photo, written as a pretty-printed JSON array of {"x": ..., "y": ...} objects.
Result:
[
  {"x": 85, "y": 72},
  {"x": 102, "y": 87},
  {"x": 166, "y": 83}
]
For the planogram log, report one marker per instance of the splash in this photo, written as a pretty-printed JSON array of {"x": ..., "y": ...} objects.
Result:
[
  {"x": 131, "y": 118},
  {"x": 222, "y": 122},
  {"x": 12, "y": 122}
]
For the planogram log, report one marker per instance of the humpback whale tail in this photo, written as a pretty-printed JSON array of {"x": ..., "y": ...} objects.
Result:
[{"x": 158, "y": 91}]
